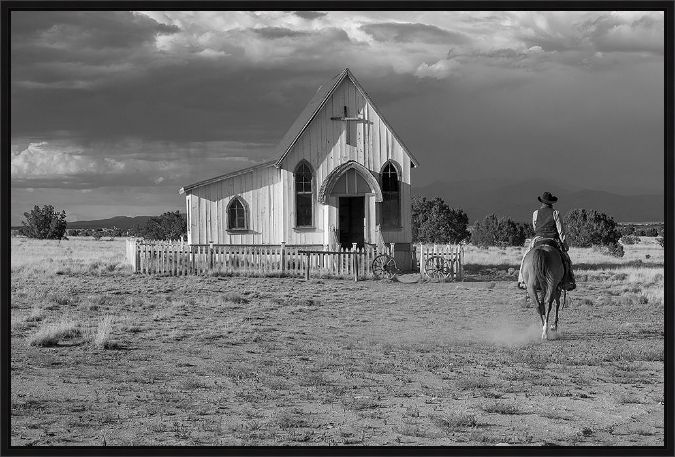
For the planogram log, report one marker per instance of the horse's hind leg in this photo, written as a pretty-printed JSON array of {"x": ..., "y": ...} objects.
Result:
[
  {"x": 540, "y": 306},
  {"x": 554, "y": 327},
  {"x": 547, "y": 301}
]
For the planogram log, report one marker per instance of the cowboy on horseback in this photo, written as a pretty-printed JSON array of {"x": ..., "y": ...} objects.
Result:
[{"x": 548, "y": 226}]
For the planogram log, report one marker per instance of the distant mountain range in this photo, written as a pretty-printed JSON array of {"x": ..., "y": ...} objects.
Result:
[
  {"x": 121, "y": 222},
  {"x": 518, "y": 200}
]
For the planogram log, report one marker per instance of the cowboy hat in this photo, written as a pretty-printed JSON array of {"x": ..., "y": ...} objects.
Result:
[{"x": 547, "y": 198}]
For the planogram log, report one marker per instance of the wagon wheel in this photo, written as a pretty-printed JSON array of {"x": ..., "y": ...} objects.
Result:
[
  {"x": 384, "y": 266},
  {"x": 436, "y": 267}
]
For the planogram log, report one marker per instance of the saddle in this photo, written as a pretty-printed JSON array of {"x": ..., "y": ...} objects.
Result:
[{"x": 553, "y": 242}]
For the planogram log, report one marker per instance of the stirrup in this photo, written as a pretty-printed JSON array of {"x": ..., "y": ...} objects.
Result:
[{"x": 570, "y": 286}]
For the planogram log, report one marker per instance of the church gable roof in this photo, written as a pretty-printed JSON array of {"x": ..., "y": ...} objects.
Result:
[{"x": 314, "y": 106}]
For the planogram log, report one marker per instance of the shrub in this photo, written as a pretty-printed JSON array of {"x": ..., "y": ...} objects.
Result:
[
  {"x": 630, "y": 239},
  {"x": 653, "y": 231},
  {"x": 493, "y": 231},
  {"x": 168, "y": 226},
  {"x": 433, "y": 221},
  {"x": 44, "y": 223},
  {"x": 586, "y": 228},
  {"x": 616, "y": 250}
]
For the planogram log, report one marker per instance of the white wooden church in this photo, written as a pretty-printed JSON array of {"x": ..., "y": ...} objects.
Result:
[{"x": 342, "y": 176}]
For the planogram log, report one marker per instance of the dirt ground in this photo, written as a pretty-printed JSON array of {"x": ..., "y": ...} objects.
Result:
[{"x": 282, "y": 361}]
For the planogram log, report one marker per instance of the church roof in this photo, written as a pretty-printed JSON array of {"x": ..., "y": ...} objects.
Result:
[{"x": 315, "y": 105}]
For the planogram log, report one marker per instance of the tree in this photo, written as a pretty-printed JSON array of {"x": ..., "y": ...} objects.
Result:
[
  {"x": 494, "y": 231},
  {"x": 586, "y": 228},
  {"x": 433, "y": 221},
  {"x": 169, "y": 226},
  {"x": 44, "y": 223}
]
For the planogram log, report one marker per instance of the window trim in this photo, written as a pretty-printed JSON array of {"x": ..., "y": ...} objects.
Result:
[
  {"x": 397, "y": 168},
  {"x": 295, "y": 196},
  {"x": 246, "y": 215}
]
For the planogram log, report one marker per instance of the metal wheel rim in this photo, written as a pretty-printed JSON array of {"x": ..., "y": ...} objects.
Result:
[
  {"x": 433, "y": 267},
  {"x": 379, "y": 265},
  {"x": 390, "y": 268}
]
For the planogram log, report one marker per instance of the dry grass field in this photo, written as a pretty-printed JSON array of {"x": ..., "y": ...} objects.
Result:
[{"x": 101, "y": 356}]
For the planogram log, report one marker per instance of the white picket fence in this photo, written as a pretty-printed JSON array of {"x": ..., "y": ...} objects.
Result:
[
  {"x": 452, "y": 254},
  {"x": 177, "y": 258}
]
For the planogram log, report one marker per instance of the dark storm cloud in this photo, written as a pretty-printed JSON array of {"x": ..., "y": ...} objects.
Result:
[
  {"x": 406, "y": 33},
  {"x": 87, "y": 29},
  {"x": 309, "y": 15},
  {"x": 77, "y": 50},
  {"x": 186, "y": 99}
]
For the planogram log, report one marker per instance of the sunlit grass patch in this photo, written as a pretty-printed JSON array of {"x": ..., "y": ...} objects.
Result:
[{"x": 51, "y": 334}]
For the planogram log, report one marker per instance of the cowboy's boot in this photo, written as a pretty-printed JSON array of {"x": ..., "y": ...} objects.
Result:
[{"x": 570, "y": 284}]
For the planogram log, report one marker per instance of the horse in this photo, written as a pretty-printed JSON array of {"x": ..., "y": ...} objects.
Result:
[{"x": 543, "y": 271}]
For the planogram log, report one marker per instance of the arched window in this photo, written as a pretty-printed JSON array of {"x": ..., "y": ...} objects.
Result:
[
  {"x": 303, "y": 195},
  {"x": 391, "y": 197},
  {"x": 236, "y": 215}
]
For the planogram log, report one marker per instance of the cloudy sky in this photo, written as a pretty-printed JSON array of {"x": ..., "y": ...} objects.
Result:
[{"x": 112, "y": 112}]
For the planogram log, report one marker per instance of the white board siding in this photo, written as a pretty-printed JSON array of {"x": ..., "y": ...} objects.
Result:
[
  {"x": 331, "y": 149},
  {"x": 259, "y": 189}
]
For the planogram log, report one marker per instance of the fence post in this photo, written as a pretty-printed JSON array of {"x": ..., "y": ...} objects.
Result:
[
  {"x": 307, "y": 266},
  {"x": 461, "y": 262},
  {"x": 355, "y": 263},
  {"x": 283, "y": 257},
  {"x": 137, "y": 256},
  {"x": 210, "y": 256}
]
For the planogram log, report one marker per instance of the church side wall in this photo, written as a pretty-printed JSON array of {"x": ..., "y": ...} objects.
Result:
[{"x": 260, "y": 190}]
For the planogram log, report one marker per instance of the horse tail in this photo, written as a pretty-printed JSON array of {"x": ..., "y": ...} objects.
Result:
[{"x": 542, "y": 274}]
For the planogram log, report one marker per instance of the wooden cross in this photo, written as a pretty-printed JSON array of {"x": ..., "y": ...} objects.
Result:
[
  {"x": 349, "y": 121},
  {"x": 347, "y": 118}
]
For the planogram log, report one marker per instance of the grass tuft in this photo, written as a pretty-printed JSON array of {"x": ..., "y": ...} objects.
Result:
[
  {"x": 502, "y": 408},
  {"x": 53, "y": 333},
  {"x": 103, "y": 332},
  {"x": 454, "y": 421}
]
